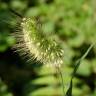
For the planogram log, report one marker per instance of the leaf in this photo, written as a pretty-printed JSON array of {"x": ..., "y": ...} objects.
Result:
[
  {"x": 46, "y": 91},
  {"x": 69, "y": 91},
  {"x": 46, "y": 70},
  {"x": 48, "y": 80}
]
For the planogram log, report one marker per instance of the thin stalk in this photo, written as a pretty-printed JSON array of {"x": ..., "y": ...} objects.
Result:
[
  {"x": 16, "y": 13},
  {"x": 61, "y": 76}
]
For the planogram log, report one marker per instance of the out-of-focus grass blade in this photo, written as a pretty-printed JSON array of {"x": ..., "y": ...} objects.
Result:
[{"x": 69, "y": 91}]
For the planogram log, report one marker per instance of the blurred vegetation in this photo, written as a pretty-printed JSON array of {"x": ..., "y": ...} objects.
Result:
[{"x": 74, "y": 22}]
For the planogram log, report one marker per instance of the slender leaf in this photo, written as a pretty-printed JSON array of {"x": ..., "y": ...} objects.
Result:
[{"x": 69, "y": 91}]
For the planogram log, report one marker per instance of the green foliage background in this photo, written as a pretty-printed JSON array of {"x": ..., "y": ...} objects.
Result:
[{"x": 74, "y": 22}]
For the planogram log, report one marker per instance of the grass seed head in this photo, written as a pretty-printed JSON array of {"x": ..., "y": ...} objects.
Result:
[{"x": 32, "y": 42}]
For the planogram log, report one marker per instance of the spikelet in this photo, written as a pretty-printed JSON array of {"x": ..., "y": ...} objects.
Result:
[{"x": 32, "y": 42}]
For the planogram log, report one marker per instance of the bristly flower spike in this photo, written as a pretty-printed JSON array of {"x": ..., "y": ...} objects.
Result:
[{"x": 32, "y": 42}]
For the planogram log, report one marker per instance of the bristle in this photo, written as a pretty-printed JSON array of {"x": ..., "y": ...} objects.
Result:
[{"x": 32, "y": 42}]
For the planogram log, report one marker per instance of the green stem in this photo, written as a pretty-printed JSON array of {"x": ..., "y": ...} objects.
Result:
[{"x": 61, "y": 76}]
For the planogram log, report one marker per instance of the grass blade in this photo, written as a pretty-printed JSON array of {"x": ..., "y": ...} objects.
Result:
[{"x": 69, "y": 91}]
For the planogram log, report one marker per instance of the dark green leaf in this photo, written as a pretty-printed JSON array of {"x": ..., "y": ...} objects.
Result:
[{"x": 69, "y": 91}]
